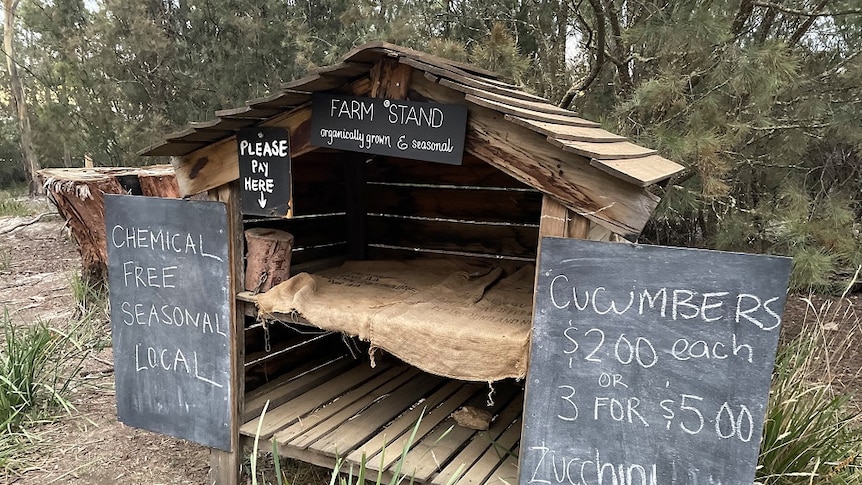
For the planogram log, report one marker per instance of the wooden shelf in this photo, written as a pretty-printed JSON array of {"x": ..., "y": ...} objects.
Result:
[{"x": 345, "y": 408}]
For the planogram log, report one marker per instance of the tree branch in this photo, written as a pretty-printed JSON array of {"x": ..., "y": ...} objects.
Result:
[
  {"x": 803, "y": 13},
  {"x": 599, "y": 62},
  {"x": 797, "y": 36}
]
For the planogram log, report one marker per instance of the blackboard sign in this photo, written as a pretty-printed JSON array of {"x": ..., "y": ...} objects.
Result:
[
  {"x": 264, "y": 171},
  {"x": 649, "y": 365},
  {"x": 422, "y": 131},
  {"x": 170, "y": 315}
]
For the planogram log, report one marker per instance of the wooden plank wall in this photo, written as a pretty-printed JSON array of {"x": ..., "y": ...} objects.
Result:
[{"x": 421, "y": 209}]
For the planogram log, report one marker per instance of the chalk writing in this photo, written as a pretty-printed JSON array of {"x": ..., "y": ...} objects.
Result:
[
  {"x": 170, "y": 314},
  {"x": 264, "y": 166},
  {"x": 647, "y": 368},
  {"x": 424, "y": 131}
]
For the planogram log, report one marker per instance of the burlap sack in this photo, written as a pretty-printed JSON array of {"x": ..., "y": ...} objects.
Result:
[{"x": 468, "y": 323}]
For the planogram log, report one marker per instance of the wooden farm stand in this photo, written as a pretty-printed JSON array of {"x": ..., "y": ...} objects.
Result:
[{"x": 530, "y": 169}]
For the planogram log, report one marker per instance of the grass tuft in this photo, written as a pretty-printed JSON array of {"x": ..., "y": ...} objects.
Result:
[
  {"x": 38, "y": 365},
  {"x": 812, "y": 432}
]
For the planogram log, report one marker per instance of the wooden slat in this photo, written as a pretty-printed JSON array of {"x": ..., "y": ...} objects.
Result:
[
  {"x": 172, "y": 148},
  {"x": 247, "y": 112},
  {"x": 480, "y": 443},
  {"x": 225, "y": 124},
  {"x": 312, "y": 231},
  {"x": 313, "y": 426},
  {"x": 467, "y": 80},
  {"x": 316, "y": 82},
  {"x": 472, "y": 172},
  {"x": 435, "y": 450},
  {"x": 195, "y": 135},
  {"x": 517, "y": 241},
  {"x": 507, "y": 472},
  {"x": 491, "y": 459},
  {"x": 640, "y": 171},
  {"x": 462, "y": 204},
  {"x": 344, "y": 69},
  {"x": 391, "y": 440},
  {"x": 603, "y": 151},
  {"x": 288, "y": 413},
  {"x": 540, "y": 106},
  {"x": 527, "y": 113},
  {"x": 620, "y": 206},
  {"x": 560, "y": 221},
  {"x": 567, "y": 132},
  {"x": 352, "y": 434},
  {"x": 317, "y": 198},
  {"x": 374, "y": 50},
  {"x": 293, "y": 383},
  {"x": 281, "y": 100},
  {"x": 433, "y": 416}
]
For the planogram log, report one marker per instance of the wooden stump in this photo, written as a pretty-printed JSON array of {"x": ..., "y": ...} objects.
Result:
[
  {"x": 268, "y": 260},
  {"x": 79, "y": 193}
]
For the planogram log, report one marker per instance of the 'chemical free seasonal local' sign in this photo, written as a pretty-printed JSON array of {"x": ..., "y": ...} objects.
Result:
[
  {"x": 170, "y": 315},
  {"x": 422, "y": 131},
  {"x": 649, "y": 365}
]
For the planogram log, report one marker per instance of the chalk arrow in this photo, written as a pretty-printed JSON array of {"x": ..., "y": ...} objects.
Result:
[{"x": 261, "y": 201}]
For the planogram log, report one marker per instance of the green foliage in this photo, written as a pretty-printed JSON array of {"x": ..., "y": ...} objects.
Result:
[
  {"x": 811, "y": 434},
  {"x": 37, "y": 366},
  {"x": 13, "y": 207},
  {"x": 91, "y": 296}
]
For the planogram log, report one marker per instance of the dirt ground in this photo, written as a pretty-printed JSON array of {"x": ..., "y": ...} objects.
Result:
[{"x": 90, "y": 447}]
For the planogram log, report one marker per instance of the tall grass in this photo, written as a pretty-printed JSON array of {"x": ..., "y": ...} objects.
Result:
[
  {"x": 10, "y": 205},
  {"x": 812, "y": 433},
  {"x": 38, "y": 364}
]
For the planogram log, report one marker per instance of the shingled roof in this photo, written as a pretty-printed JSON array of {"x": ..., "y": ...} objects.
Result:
[{"x": 204, "y": 144}]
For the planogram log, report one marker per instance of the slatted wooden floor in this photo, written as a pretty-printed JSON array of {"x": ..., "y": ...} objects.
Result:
[{"x": 344, "y": 408}]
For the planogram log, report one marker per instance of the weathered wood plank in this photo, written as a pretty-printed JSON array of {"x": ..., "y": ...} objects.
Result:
[
  {"x": 247, "y": 112},
  {"x": 480, "y": 443},
  {"x": 462, "y": 204},
  {"x": 315, "y": 425},
  {"x": 603, "y": 151},
  {"x": 560, "y": 221},
  {"x": 540, "y": 106},
  {"x": 281, "y": 100},
  {"x": 372, "y": 51},
  {"x": 491, "y": 459},
  {"x": 640, "y": 171},
  {"x": 622, "y": 207},
  {"x": 429, "y": 421},
  {"x": 390, "y": 79},
  {"x": 479, "y": 83},
  {"x": 353, "y": 433},
  {"x": 529, "y": 114},
  {"x": 567, "y": 132},
  {"x": 392, "y": 439},
  {"x": 225, "y": 467},
  {"x": 507, "y": 472},
  {"x": 435, "y": 450},
  {"x": 519, "y": 241},
  {"x": 288, "y": 413},
  {"x": 292, "y": 384},
  {"x": 312, "y": 231}
]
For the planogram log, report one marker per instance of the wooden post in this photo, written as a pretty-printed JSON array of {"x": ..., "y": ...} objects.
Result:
[
  {"x": 558, "y": 220},
  {"x": 225, "y": 467}
]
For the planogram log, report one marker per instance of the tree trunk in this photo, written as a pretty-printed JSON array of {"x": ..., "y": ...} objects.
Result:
[{"x": 19, "y": 104}]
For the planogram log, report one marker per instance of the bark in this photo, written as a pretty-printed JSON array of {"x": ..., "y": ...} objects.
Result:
[{"x": 19, "y": 104}]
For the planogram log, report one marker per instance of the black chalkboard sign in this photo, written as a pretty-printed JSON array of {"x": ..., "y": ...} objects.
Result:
[
  {"x": 649, "y": 365},
  {"x": 264, "y": 171},
  {"x": 170, "y": 315},
  {"x": 422, "y": 131}
]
